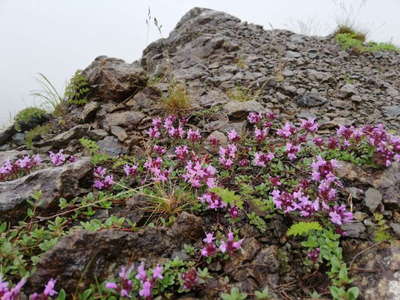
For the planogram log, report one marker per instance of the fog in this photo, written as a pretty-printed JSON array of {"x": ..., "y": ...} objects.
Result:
[{"x": 57, "y": 37}]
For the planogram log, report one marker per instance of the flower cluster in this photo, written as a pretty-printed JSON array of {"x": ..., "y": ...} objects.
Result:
[
  {"x": 227, "y": 155},
  {"x": 21, "y": 166},
  {"x": 198, "y": 174},
  {"x": 153, "y": 165},
  {"x": 147, "y": 283},
  {"x": 7, "y": 293},
  {"x": 212, "y": 200},
  {"x": 59, "y": 158},
  {"x": 129, "y": 170},
  {"x": 102, "y": 181},
  {"x": 227, "y": 246},
  {"x": 299, "y": 201}
]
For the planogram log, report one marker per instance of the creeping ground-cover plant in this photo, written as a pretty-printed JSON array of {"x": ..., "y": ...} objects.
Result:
[{"x": 245, "y": 185}]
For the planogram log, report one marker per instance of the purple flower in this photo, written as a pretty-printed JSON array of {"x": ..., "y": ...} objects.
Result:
[
  {"x": 99, "y": 172},
  {"x": 213, "y": 200},
  {"x": 313, "y": 255},
  {"x": 234, "y": 212},
  {"x": 254, "y": 118},
  {"x": 146, "y": 289},
  {"x": 260, "y": 134},
  {"x": 339, "y": 215},
  {"x": 193, "y": 135},
  {"x": 157, "y": 272},
  {"x": 309, "y": 125},
  {"x": 141, "y": 273},
  {"x": 159, "y": 149},
  {"x": 260, "y": 159},
  {"x": 181, "y": 152},
  {"x": 49, "y": 288},
  {"x": 58, "y": 158},
  {"x": 154, "y": 133},
  {"x": 292, "y": 150},
  {"x": 130, "y": 170},
  {"x": 233, "y": 136},
  {"x": 287, "y": 130},
  {"x": 230, "y": 244}
]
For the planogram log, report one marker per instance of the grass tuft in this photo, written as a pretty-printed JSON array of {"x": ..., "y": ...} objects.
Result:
[{"x": 178, "y": 100}]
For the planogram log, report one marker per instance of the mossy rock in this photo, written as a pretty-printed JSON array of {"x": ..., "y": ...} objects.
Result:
[{"x": 29, "y": 118}]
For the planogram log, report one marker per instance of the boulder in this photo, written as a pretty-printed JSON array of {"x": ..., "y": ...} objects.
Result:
[
  {"x": 79, "y": 257},
  {"x": 53, "y": 182},
  {"x": 112, "y": 79},
  {"x": 6, "y": 134}
]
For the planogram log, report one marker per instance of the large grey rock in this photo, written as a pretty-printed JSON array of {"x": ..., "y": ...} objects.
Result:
[
  {"x": 6, "y": 134},
  {"x": 392, "y": 111},
  {"x": 113, "y": 79},
  {"x": 388, "y": 184},
  {"x": 85, "y": 256},
  {"x": 53, "y": 182}
]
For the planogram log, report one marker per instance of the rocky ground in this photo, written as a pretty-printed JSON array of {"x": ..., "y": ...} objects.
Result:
[{"x": 61, "y": 218}]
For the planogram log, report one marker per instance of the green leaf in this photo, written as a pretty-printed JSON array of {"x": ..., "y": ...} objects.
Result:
[
  {"x": 228, "y": 197},
  {"x": 303, "y": 228}
]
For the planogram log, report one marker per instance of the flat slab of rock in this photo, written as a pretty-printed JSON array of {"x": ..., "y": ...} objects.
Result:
[
  {"x": 64, "y": 138},
  {"x": 126, "y": 119},
  {"x": 53, "y": 182},
  {"x": 239, "y": 110}
]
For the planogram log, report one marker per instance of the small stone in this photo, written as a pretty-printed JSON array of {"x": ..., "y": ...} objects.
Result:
[
  {"x": 119, "y": 132},
  {"x": 348, "y": 90},
  {"x": 392, "y": 111},
  {"x": 354, "y": 229},
  {"x": 311, "y": 99},
  {"x": 355, "y": 193},
  {"x": 373, "y": 198},
  {"x": 6, "y": 134},
  {"x": 128, "y": 119},
  {"x": 111, "y": 146},
  {"x": 396, "y": 228}
]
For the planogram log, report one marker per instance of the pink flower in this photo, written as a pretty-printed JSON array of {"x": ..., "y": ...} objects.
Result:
[
  {"x": 141, "y": 273},
  {"x": 313, "y": 255},
  {"x": 99, "y": 172},
  {"x": 254, "y": 118},
  {"x": 339, "y": 215},
  {"x": 49, "y": 288},
  {"x": 159, "y": 149},
  {"x": 181, "y": 152},
  {"x": 233, "y": 136},
  {"x": 213, "y": 200},
  {"x": 230, "y": 244},
  {"x": 260, "y": 159},
  {"x": 130, "y": 170},
  {"x": 146, "y": 289},
  {"x": 193, "y": 135},
  {"x": 292, "y": 150},
  {"x": 260, "y": 134},
  {"x": 234, "y": 212},
  {"x": 309, "y": 125},
  {"x": 156, "y": 122},
  {"x": 58, "y": 158},
  {"x": 287, "y": 131},
  {"x": 157, "y": 272}
]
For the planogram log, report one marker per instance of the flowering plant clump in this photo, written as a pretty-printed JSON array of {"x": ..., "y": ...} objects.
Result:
[
  {"x": 7, "y": 293},
  {"x": 102, "y": 180},
  {"x": 125, "y": 286},
  {"x": 12, "y": 169},
  {"x": 226, "y": 246}
]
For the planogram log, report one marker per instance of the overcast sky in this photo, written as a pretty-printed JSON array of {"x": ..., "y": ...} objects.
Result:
[{"x": 57, "y": 37}]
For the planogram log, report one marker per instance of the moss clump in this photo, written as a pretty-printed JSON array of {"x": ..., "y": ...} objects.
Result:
[
  {"x": 35, "y": 133},
  {"x": 349, "y": 41},
  {"x": 29, "y": 118},
  {"x": 178, "y": 100},
  {"x": 77, "y": 89}
]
